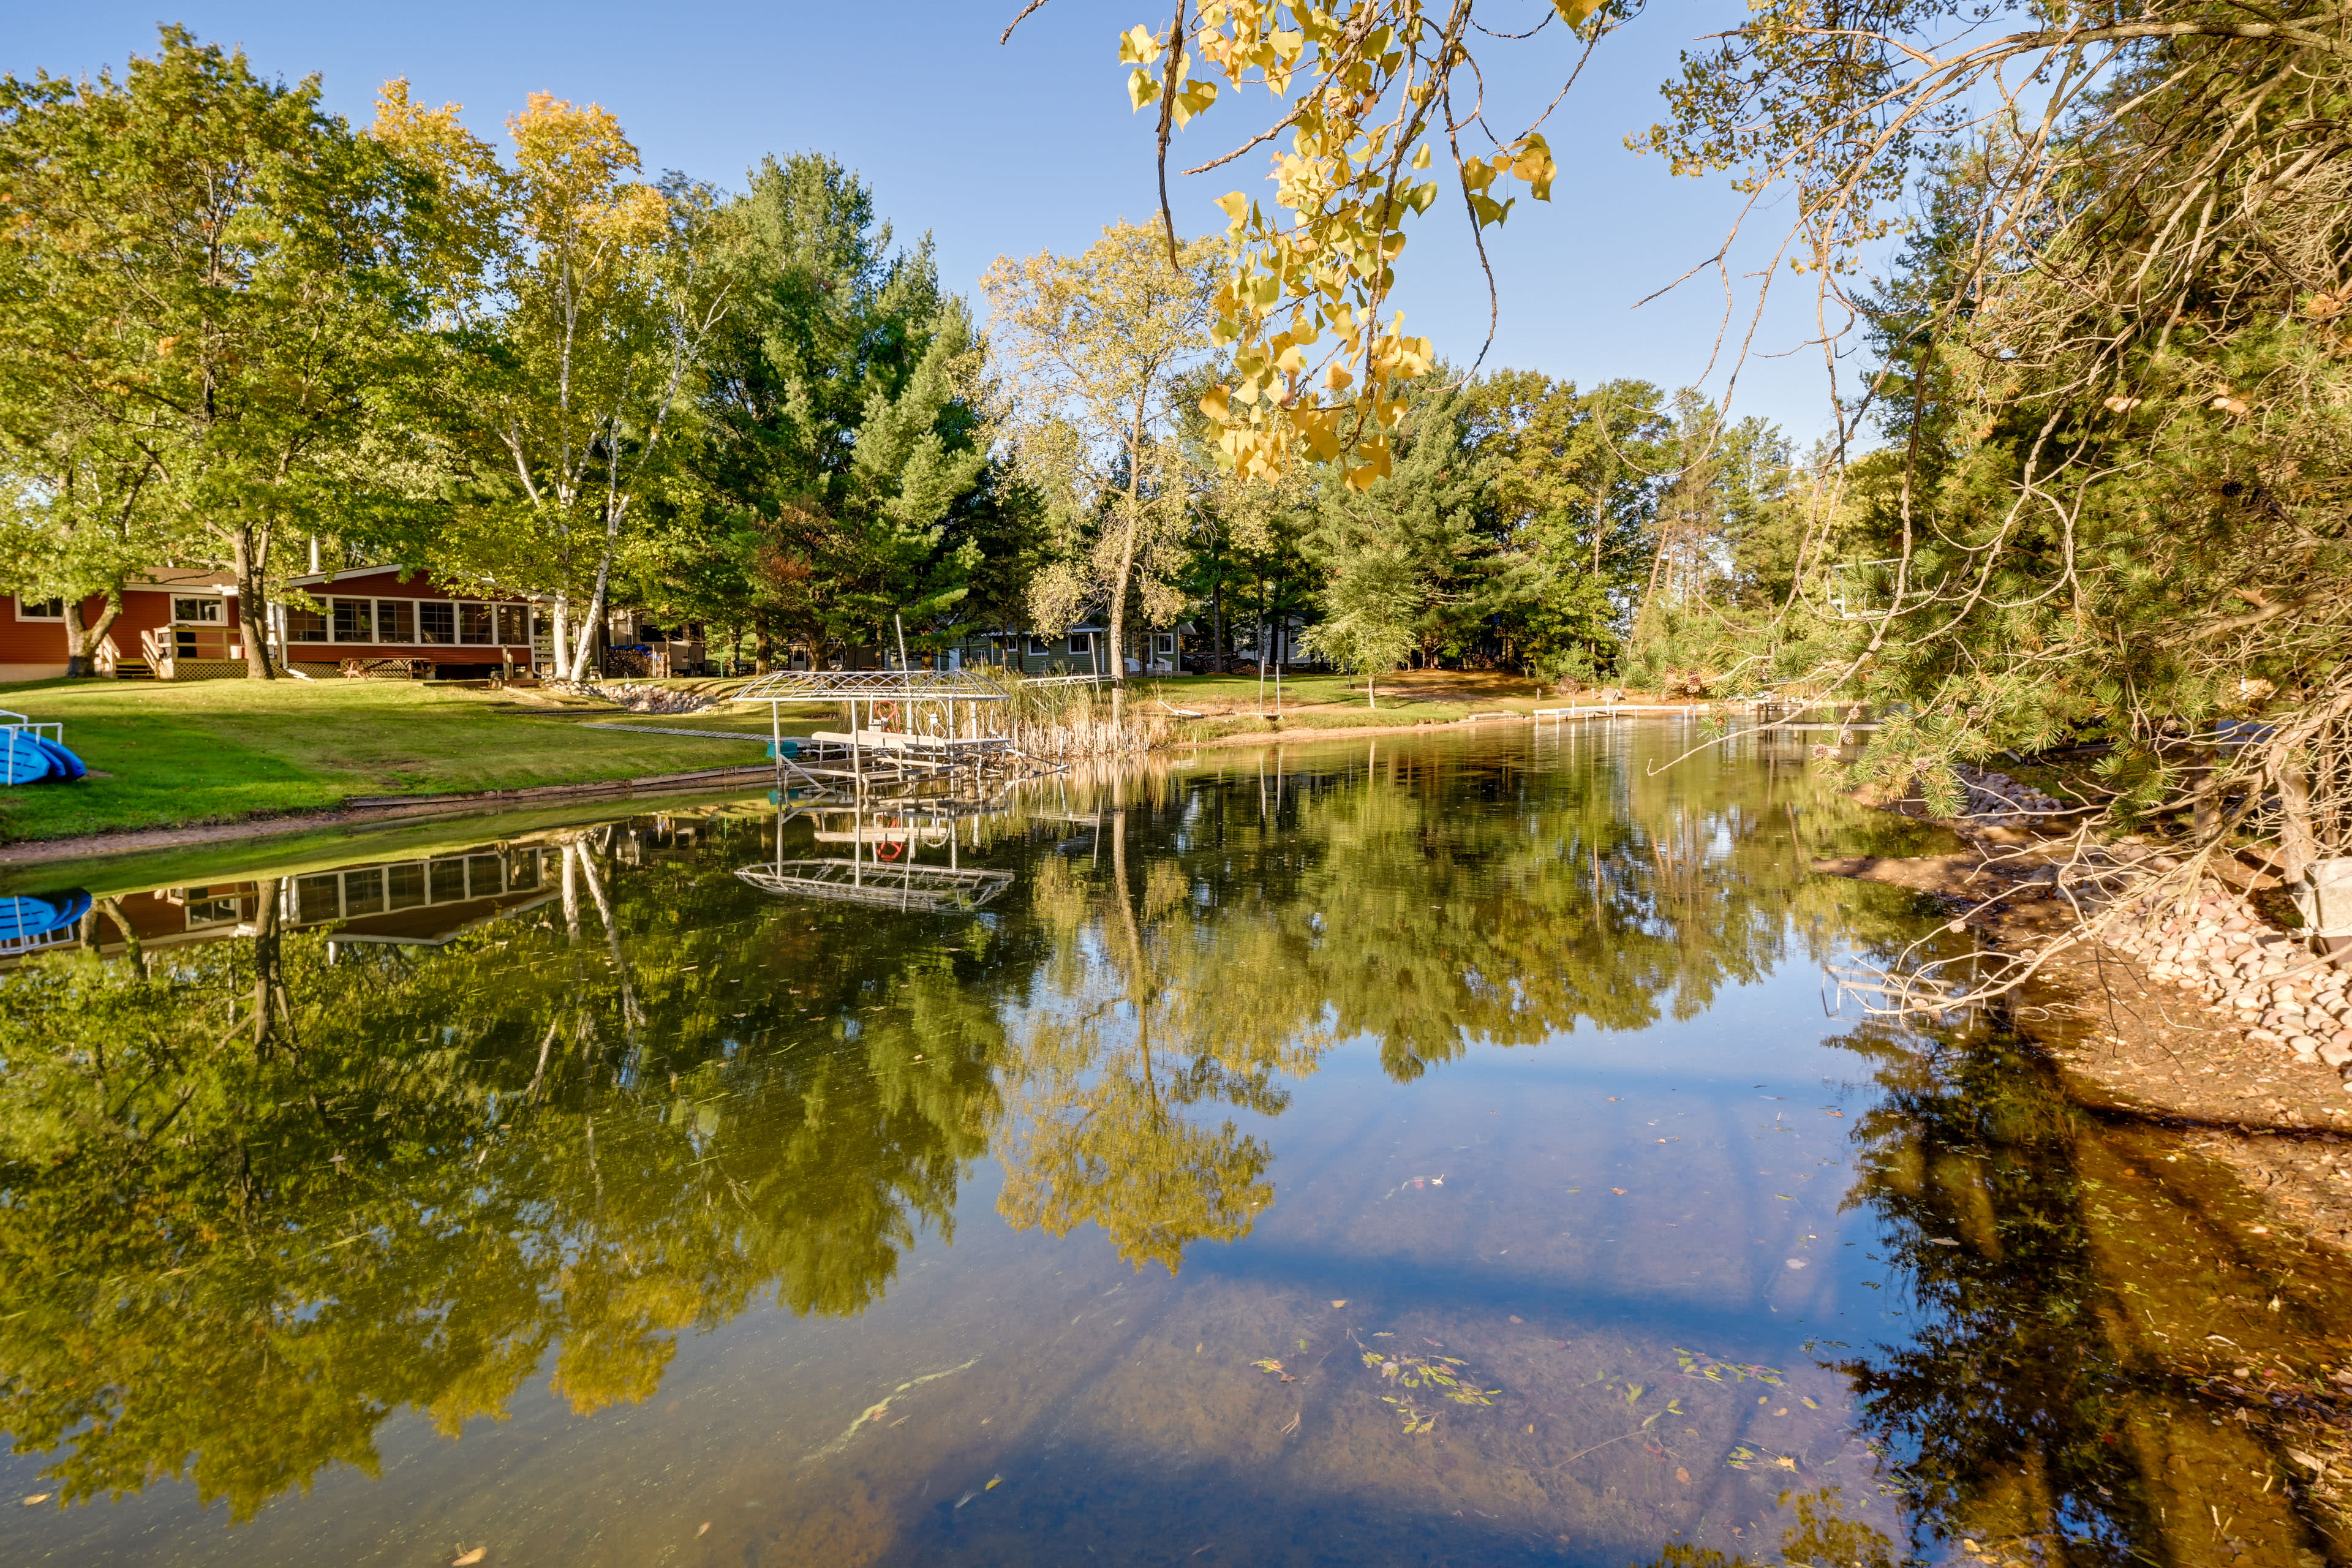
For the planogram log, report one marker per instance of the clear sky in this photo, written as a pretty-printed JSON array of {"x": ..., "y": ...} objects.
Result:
[{"x": 1032, "y": 146}]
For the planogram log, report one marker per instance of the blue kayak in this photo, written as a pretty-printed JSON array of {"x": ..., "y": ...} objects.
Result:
[
  {"x": 63, "y": 763},
  {"x": 27, "y": 758},
  {"x": 24, "y": 917},
  {"x": 23, "y": 759}
]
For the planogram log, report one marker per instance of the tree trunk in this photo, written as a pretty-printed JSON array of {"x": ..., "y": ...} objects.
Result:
[
  {"x": 273, "y": 1017},
  {"x": 250, "y": 551},
  {"x": 1134, "y": 525},
  {"x": 559, "y": 641},
  {"x": 82, "y": 638},
  {"x": 1217, "y": 627},
  {"x": 763, "y": 647}
]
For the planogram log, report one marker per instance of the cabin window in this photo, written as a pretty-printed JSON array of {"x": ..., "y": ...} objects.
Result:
[
  {"x": 485, "y": 875},
  {"x": 355, "y": 620},
  {"x": 305, "y": 625},
  {"x": 404, "y": 885},
  {"x": 40, "y": 609},
  {"x": 214, "y": 912},
  {"x": 437, "y": 621},
  {"x": 448, "y": 881},
  {"x": 522, "y": 870},
  {"x": 318, "y": 899},
  {"x": 363, "y": 891},
  {"x": 472, "y": 622},
  {"x": 206, "y": 612},
  {"x": 1165, "y": 642},
  {"x": 1039, "y": 647},
  {"x": 1080, "y": 642},
  {"x": 514, "y": 624},
  {"x": 395, "y": 620}
]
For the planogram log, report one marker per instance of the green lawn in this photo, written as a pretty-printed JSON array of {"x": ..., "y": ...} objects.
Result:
[
  {"x": 1231, "y": 704},
  {"x": 214, "y": 751}
]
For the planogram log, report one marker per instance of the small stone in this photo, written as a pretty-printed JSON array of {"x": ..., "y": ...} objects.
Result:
[
  {"x": 2335, "y": 1053},
  {"x": 2304, "y": 1047}
]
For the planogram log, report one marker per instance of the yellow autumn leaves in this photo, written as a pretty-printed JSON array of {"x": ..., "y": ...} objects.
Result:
[{"x": 1316, "y": 370}]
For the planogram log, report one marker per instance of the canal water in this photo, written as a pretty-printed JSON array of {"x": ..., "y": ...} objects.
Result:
[{"x": 1438, "y": 1150}]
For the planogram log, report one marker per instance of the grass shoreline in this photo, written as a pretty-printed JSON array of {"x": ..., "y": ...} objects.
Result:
[
  {"x": 239, "y": 755},
  {"x": 181, "y": 755}
]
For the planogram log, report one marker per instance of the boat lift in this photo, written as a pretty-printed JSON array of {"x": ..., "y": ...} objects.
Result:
[
  {"x": 882, "y": 868},
  {"x": 906, "y": 727}
]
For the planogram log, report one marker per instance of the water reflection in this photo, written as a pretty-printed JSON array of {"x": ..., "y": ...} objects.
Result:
[
  {"x": 291, "y": 1151},
  {"x": 2082, "y": 1294}
]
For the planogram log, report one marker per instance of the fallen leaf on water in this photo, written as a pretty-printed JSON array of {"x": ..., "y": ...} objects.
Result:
[
  {"x": 1682, "y": 1475},
  {"x": 1785, "y": 1462},
  {"x": 965, "y": 1499},
  {"x": 1517, "y": 1319},
  {"x": 995, "y": 1481},
  {"x": 1808, "y": 1402},
  {"x": 37, "y": 1497},
  {"x": 704, "y": 1530},
  {"x": 1619, "y": 1191},
  {"x": 464, "y": 1558},
  {"x": 1340, "y": 1303}
]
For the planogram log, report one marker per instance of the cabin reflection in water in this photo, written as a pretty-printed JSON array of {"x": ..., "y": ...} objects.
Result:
[{"x": 410, "y": 903}]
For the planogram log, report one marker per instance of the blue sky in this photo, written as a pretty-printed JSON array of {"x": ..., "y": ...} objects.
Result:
[{"x": 1032, "y": 146}]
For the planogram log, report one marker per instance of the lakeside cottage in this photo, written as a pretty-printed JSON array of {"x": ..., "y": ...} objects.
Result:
[{"x": 183, "y": 627}]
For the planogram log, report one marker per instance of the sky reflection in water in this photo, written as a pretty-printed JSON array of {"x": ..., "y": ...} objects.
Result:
[{"x": 1430, "y": 1152}]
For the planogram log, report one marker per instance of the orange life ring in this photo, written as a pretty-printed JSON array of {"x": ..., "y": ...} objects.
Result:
[
  {"x": 884, "y": 849},
  {"x": 884, "y": 714}
]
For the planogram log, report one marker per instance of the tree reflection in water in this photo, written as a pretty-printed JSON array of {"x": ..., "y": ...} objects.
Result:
[
  {"x": 2055, "y": 1400},
  {"x": 258, "y": 1201}
]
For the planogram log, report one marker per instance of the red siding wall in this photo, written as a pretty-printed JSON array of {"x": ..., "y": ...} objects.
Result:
[
  {"x": 29, "y": 642},
  {"x": 44, "y": 642}
]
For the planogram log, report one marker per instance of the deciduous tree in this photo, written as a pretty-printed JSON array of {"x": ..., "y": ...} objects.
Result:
[
  {"x": 204, "y": 286},
  {"x": 1094, "y": 351}
]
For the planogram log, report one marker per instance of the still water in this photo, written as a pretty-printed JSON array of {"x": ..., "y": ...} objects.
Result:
[{"x": 1450, "y": 1150}]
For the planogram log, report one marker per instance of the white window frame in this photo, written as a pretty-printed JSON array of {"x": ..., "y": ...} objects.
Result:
[
  {"x": 408, "y": 641},
  {"x": 24, "y": 614},
  {"x": 334, "y": 634}
]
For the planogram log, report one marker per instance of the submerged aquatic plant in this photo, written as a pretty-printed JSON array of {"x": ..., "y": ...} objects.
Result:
[{"x": 1433, "y": 1372}]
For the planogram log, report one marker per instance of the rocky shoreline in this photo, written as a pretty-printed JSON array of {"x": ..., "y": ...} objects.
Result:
[{"x": 2208, "y": 1019}]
